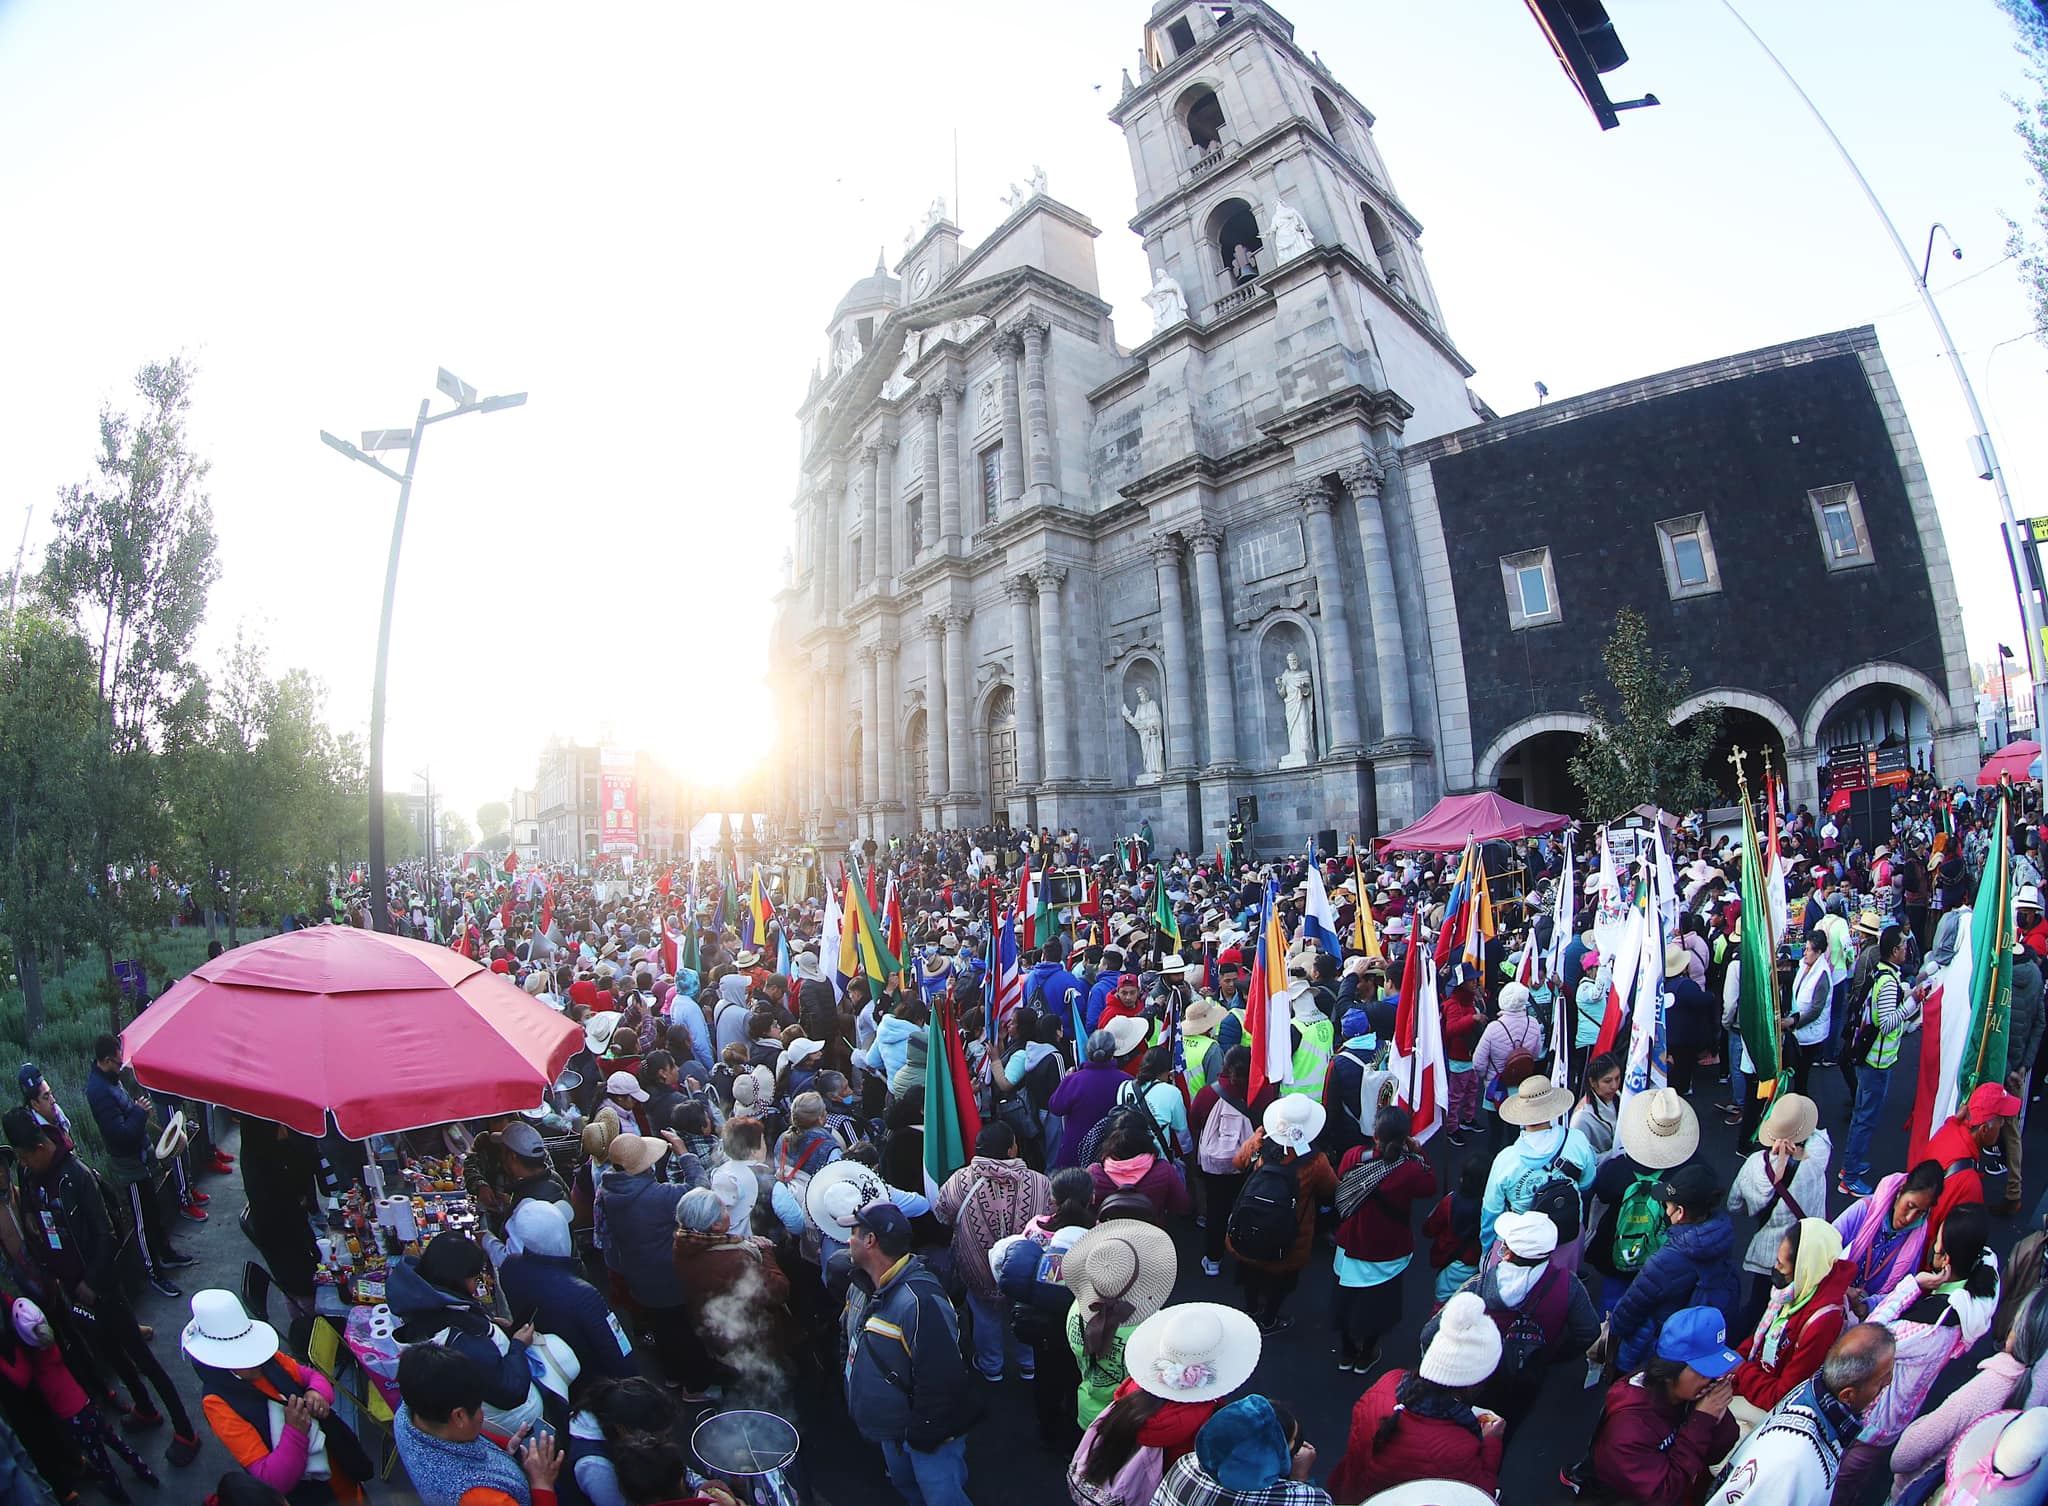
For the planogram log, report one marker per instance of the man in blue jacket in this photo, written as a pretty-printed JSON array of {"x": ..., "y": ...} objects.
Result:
[
  {"x": 1050, "y": 984},
  {"x": 543, "y": 1281},
  {"x": 122, "y": 1122},
  {"x": 906, "y": 1386}
]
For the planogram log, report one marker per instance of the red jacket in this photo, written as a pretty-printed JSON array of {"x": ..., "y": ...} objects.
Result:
[
  {"x": 1422, "y": 1448},
  {"x": 1383, "y": 1226},
  {"x": 1463, "y": 1025},
  {"x": 1809, "y": 1334},
  {"x": 1951, "y": 1143},
  {"x": 1648, "y": 1449}
]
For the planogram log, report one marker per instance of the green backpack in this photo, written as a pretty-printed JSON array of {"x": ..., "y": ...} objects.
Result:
[{"x": 1640, "y": 1226}]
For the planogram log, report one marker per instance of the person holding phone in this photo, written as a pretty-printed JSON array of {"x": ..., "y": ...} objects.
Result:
[{"x": 1662, "y": 1428}]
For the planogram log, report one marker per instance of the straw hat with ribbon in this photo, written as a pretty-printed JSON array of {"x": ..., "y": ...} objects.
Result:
[
  {"x": 838, "y": 1192},
  {"x": 1120, "y": 1273},
  {"x": 1294, "y": 1122},
  {"x": 1192, "y": 1351},
  {"x": 1792, "y": 1119},
  {"x": 1659, "y": 1129},
  {"x": 1536, "y": 1101}
]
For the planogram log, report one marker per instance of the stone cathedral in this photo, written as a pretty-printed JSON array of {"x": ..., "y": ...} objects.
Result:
[{"x": 1044, "y": 576}]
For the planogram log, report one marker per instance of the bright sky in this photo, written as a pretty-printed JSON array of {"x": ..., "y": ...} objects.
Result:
[{"x": 643, "y": 214}]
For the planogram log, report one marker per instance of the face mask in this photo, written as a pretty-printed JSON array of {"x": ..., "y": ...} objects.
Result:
[{"x": 1780, "y": 1280}]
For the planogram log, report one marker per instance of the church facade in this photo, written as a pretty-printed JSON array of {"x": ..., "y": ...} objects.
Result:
[{"x": 1042, "y": 576}]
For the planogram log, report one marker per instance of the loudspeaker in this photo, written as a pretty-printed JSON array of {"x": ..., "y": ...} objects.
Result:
[
  {"x": 1869, "y": 817},
  {"x": 1326, "y": 842},
  {"x": 1248, "y": 807},
  {"x": 1063, "y": 889}
]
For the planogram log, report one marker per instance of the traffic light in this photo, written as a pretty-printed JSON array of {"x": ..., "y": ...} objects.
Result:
[{"x": 1586, "y": 45}]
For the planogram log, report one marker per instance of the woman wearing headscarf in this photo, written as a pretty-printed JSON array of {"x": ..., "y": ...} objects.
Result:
[
  {"x": 1807, "y": 1311},
  {"x": 2012, "y": 1379},
  {"x": 1784, "y": 1180},
  {"x": 1884, "y": 1235},
  {"x": 1934, "y": 1317}
]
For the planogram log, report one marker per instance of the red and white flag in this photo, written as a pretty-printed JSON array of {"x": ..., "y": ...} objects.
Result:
[{"x": 1421, "y": 1071}]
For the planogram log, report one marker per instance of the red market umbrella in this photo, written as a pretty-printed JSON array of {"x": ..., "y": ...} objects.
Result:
[
  {"x": 383, "y": 1033},
  {"x": 2014, "y": 759}
]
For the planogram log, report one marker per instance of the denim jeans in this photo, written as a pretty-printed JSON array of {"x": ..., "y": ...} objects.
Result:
[
  {"x": 1838, "y": 997},
  {"x": 938, "y": 1478},
  {"x": 1870, "y": 1085},
  {"x": 991, "y": 1330}
]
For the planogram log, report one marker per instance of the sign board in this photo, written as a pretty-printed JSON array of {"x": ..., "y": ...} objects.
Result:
[{"x": 619, "y": 825}]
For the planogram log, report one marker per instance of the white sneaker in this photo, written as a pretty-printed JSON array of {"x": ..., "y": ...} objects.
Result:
[{"x": 1211, "y": 1268}]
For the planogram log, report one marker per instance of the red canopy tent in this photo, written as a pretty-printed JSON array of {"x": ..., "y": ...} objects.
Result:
[
  {"x": 384, "y": 1033},
  {"x": 1458, "y": 819},
  {"x": 2012, "y": 759}
]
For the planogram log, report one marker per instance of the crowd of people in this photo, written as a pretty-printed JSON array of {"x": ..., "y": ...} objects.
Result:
[{"x": 730, "y": 1202}]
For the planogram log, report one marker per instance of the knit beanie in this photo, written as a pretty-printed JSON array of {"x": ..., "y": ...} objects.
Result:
[{"x": 1466, "y": 1348}]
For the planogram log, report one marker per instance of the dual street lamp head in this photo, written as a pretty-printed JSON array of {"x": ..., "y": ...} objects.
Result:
[{"x": 466, "y": 401}]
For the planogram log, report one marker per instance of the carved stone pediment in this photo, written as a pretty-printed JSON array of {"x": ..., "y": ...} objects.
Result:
[
  {"x": 1122, "y": 644},
  {"x": 1251, "y": 608}
]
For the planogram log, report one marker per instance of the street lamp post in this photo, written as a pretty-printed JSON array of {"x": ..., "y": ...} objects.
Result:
[
  {"x": 1983, "y": 457},
  {"x": 466, "y": 401},
  {"x": 2005, "y": 689}
]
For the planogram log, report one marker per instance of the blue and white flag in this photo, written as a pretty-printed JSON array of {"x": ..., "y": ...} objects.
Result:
[{"x": 1318, "y": 916}]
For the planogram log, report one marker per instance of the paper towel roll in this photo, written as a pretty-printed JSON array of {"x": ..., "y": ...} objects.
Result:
[{"x": 403, "y": 1224}]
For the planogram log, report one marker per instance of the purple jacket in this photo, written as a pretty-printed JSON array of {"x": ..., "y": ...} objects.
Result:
[{"x": 1082, "y": 1098}]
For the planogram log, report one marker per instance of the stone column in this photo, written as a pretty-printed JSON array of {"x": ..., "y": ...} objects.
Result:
[
  {"x": 936, "y": 780},
  {"x": 872, "y": 567},
  {"x": 1340, "y": 687},
  {"x": 1025, "y": 678},
  {"x": 1052, "y": 657},
  {"x": 1173, "y": 641},
  {"x": 959, "y": 705},
  {"x": 870, "y": 717},
  {"x": 835, "y": 734},
  {"x": 886, "y": 567},
  {"x": 831, "y": 549},
  {"x": 885, "y": 726},
  {"x": 1035, "y": 409},
  {"x": 1010, "y": 346},
  {"x": 1389, "y": 643},
  {"x": 928, "y": 409},
  {"x": 949, "y": 466},
  {"x": 817, "y": 741},
  {"x": 1218, "y": 693}
]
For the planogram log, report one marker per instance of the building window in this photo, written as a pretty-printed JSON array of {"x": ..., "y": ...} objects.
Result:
[
  {"x": 1844, "y": 536},
  {"x": 991, "y": 482},
  {"x": 1203, "y": 115},
  {"x": 1182, "y": 36},
  {"x": 914, "y": 523},
  {"x": 1531, "y": 587},
  {"x": 1688, "y": 549}
]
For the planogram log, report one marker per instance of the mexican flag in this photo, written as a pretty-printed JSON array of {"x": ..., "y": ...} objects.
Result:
[
  {"x": 951, "y": 1121},
  {"x": 1757, "y": 1007},
  {"x": 1965, "y": 1018},
  {"x": 1421, "y": 1070}
]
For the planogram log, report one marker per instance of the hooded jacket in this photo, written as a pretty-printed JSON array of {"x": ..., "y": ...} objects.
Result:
[
  {"x": 1695, "y": 1268},
  {"x": 905, "y": 1379},
  {"x": 564, "y": 1304},
  {"x": 1809, "y": 1334},
  {"x": 640, "y": 1224},
  {"x": 1421, "y": 1448},
  {"x": 427, "y": 1311},
  {"x": 892, "y": 1045},
  {"x": 1648, "y": 1448},
  {"x": 729, "y": 1013}
]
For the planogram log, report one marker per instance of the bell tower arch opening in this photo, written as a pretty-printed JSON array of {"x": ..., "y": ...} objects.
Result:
[{"x": 1234, "y": 235}]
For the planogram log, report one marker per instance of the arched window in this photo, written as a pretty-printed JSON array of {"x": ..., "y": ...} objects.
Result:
[
  {"x": 1234, "y": 232},
  {"x": 1333, "y": 120},
  {"x": 1384, "y": 248},
  {"x": 1202, "y": 114}
]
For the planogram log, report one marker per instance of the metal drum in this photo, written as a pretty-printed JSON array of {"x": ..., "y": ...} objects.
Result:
[{"x": 751, "y": 1453}]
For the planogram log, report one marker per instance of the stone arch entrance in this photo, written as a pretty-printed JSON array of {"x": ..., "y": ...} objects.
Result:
[
  {"x": 1001, "y": 724},
  {"x": 1528, "y": 762}
]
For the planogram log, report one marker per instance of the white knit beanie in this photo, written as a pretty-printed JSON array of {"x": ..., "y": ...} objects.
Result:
[{"x": 1466, "y": 1349}]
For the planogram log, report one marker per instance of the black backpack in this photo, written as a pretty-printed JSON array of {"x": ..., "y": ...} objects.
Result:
[
  {"x": 1267, "y": 1218},
  {"x": 1555, "y": 1195}
]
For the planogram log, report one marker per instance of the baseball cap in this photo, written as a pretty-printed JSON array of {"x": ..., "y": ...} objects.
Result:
[
  {"x": 1697, "y": 1336},
  {"x": 889, "y": 1224},
  {"x": 523, "y": 1140},
  {"x": 1693, "y": 1185},
  {"x": 1990, "y": 1100}
]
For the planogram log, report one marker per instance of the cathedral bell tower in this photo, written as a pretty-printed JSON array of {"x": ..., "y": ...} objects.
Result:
[{"x": 1249, "y": 156}]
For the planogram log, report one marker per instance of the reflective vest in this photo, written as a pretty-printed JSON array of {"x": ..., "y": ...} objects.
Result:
[
  {"x": 1884, "y": 1050},
  {"x": 1311, "y": 1062},
  {"x": 1198, "y": 1048}
]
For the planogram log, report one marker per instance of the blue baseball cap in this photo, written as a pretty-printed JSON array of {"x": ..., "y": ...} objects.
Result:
[{"x": 1697, "y": 1336}]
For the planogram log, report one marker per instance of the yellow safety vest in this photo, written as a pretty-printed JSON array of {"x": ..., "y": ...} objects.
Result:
[{"x": 1311, "y": 1062}]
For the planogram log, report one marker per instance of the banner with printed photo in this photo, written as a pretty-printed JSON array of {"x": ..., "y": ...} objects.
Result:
[{"x": 619, "y": 820}]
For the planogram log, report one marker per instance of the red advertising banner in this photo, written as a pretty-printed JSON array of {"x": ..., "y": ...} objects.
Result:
[{"x": 619, "y": 827}]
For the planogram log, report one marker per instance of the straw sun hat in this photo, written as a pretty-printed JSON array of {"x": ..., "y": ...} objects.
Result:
[
  {"x": 1120, "y": 1273},
  {"x": 1659, "y": 1130}
]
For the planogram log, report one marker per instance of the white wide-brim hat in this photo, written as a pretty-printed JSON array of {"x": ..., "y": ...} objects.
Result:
[
  {"x": 1130, "y": 1032},
  {"x": 223, "y": 1335},
  {"x": 838, "y": 1192},
  {"x": 174, "y": 1138},
  {"x": 1193, "y": 1351},
  {"x": 1431, "y": 1493},
  {"x": 598, "y": 1031},
  {"x": 1294, "y": 1121}
]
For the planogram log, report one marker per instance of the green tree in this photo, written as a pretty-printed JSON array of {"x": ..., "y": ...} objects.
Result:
[
  {"x": 1637, "y": 757},
  {"x": 402, "y": 842},
  {"x": 2029, "y": 243},
  {"x": 50, "y": 735},
  {"x": 452, "y": 836},
  {"x": 493, "y": 816},
  {"x": 130, "y": 566}
]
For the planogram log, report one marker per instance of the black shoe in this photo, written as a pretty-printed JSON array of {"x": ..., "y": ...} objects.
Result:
[
  {"x": 164, "y": 1287},
  {"x": 142, "y": 1421},
  {"x": 183, "y": 1450},
  {"x": 176, "y": 1260}
]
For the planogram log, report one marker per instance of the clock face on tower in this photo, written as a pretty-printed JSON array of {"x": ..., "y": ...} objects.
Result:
[{"x": 922, "y": 281}]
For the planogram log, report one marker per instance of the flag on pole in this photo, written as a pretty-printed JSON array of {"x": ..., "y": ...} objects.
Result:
[
  {"x": 1421, "y": 1071},
  {"x": 1966, "y": 1017},
  {"x": 1763, "y": 911},
  {"x": 761, "y": 909},
  {"x": 834, "y": 962},
  {"x": 893, "y": 933},
  {"x": 1267, "y": 1016},
  {"x": 951, "y": 1122},
  {"x": 1027, "y": 917},
  {"x": 1006, "y": 978},
  {"x": 875, "y": 959},
  {"x": 1564, "y": 1009},
  {"x": 512, "y": 860},
  {"x": 1163, "y": 918},
  {"x": 1454, "y": 910},
  {"x": 1478, "y": 919},
  {"x": 1319, "y": 916},
  {"x": 1365, "y": 936},
  {"x": 1649, "y": 1060}
]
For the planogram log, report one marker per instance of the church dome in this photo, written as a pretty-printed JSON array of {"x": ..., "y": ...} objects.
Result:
[{"x": 877, "y": 289}]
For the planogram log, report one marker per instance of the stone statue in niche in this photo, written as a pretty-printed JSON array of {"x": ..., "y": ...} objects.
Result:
[
  {"x": 985, "y": 404},
  {"x": 1298, "y": 705},
  {"x": 845, "y": 352},
  {"x": 1168, "y": 303},
  {"x": 1289, "y": 235},
  {"x": 1145, "y": 720}
]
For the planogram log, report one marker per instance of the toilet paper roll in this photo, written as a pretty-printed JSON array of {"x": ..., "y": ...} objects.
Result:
[{"x": 403, "y": 1224}]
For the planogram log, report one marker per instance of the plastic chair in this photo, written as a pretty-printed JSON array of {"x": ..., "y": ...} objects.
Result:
[
  {"x": 327, "y": 1352},
  {"x": 256, "y": 1286}
]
